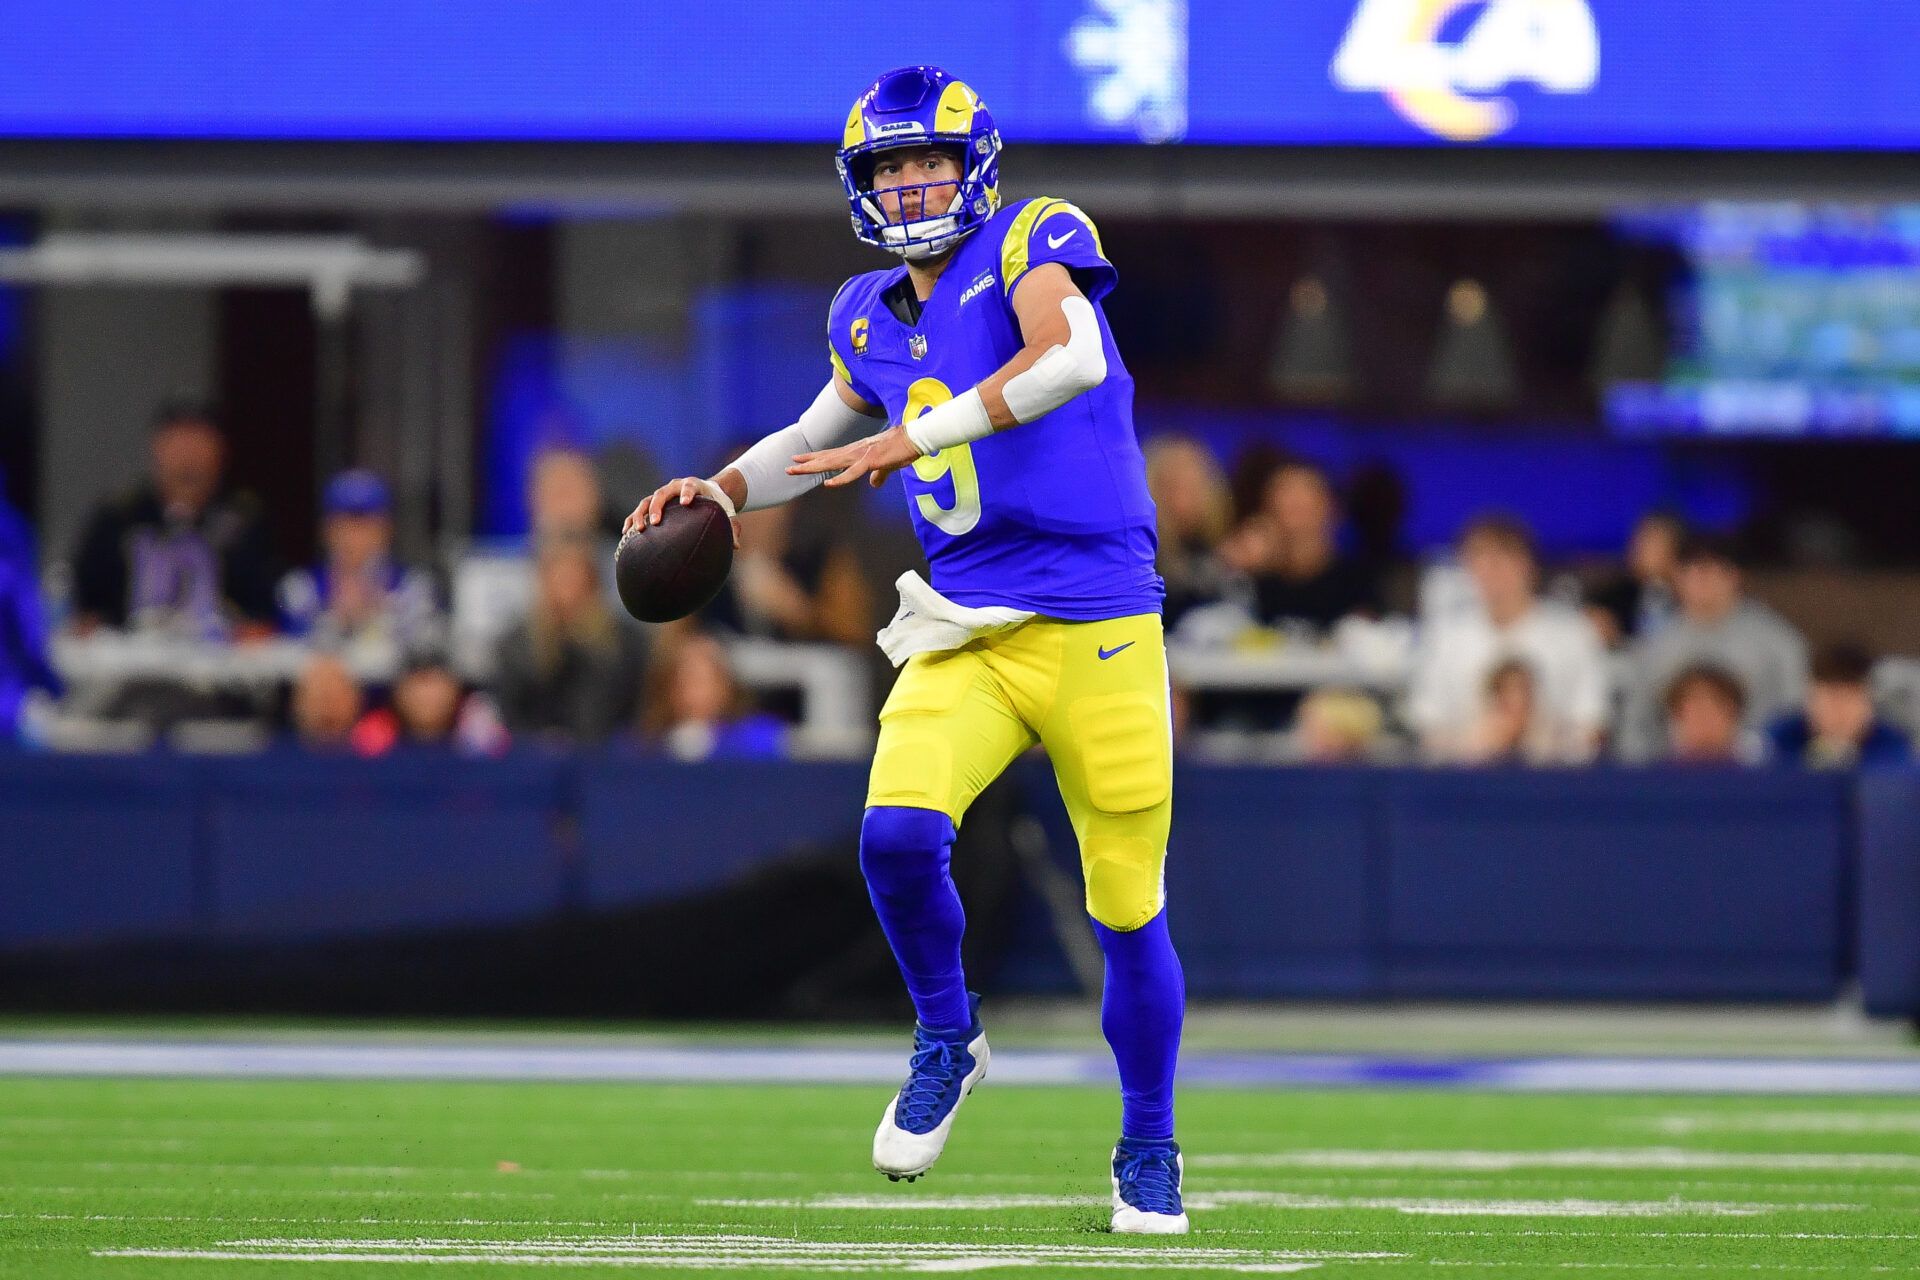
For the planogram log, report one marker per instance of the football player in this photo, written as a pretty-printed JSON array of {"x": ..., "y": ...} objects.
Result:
[{"x": 1012, "y": 427}]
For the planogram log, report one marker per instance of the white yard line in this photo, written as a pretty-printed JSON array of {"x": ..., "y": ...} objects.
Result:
[
  {"x": 1575, "y": 1158},
  {"x": 714, "y": 1252},
  {"x": 1793, "y": 1268},
  {"x": 1783, "y": 1122},
  {"x": 541, "y": 1224},
  {"x": 1565, "y": 1207},
  {"x": 733, "y": 1252},
  {"x": 342, "y": 1193},
  {"x": 716, "y": 1262}
]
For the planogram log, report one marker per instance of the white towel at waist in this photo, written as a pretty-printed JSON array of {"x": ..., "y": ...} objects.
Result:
[{"x": 928, "y": 622}]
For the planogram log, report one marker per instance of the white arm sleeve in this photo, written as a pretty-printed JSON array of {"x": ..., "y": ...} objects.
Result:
[
  {"x": 1063, "y": 372},
  {"x": 1055, "y": 378},
  {"x": 827, "y": 421}
]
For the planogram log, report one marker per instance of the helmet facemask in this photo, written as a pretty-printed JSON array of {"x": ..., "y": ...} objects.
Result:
[{"x": 915, "y": 239}]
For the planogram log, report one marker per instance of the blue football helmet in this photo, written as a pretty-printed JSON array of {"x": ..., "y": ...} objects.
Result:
[{"x": 920, "y": 106}]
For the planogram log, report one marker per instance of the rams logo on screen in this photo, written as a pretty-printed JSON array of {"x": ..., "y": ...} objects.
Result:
[{"x": 1394, "y": 47}]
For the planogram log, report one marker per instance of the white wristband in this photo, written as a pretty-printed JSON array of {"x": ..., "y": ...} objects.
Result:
[
  {"x": 961, "y": 420},
  {"x": 711, "y": 489}
]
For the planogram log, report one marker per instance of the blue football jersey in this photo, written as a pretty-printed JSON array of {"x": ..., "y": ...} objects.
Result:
[{"x": 1052, "y": 515}]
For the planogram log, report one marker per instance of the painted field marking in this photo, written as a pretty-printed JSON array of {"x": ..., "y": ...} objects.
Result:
[
  {"x": 1609, "y": 1233},
  {"x": 1578, "y": 1158},
  {"x": 658, "y": 1241},
  {"x": 1792, "y": 1268},
  {"x": 733, "y": 1252},
  {"x": 1566, "y": 1207},
  {"x": 343, "y": 1193},
  {"x": 1783, "y": 1122}
]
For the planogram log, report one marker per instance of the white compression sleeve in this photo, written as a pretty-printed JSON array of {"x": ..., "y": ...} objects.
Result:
[
  {"x": 1063, "y": 372},
  {"x": 827, "y": 421}
]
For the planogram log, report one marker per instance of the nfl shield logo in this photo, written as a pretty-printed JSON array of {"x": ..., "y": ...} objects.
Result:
[{"x": 917, "y": 344}]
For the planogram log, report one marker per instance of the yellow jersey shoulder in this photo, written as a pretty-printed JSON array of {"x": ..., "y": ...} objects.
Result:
[{"x": 1036, "y": 216}]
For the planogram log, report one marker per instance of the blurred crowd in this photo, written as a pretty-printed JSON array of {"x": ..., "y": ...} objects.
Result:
[
  {"x": 363, "y": 641},
  {"x": 1477, "y": 657},
  {"x": 1474, "y": 657}
]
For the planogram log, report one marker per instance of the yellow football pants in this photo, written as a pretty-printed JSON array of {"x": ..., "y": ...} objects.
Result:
[{"x": 1094, "y": 694}]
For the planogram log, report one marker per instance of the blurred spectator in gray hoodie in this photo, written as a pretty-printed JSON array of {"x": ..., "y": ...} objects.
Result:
[{"x": 1717, "y": 625}]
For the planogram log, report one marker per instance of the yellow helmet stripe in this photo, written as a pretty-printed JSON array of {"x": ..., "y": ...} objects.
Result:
[{"x": 955, "y": 112}]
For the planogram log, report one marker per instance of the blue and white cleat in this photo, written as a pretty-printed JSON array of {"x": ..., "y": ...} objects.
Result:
[
  {"x": 940, "y": 1075},
  {"x": 1146, "y": 1188}
]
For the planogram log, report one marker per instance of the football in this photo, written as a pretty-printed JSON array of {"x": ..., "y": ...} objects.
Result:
[{"x": 667, "y": 570}]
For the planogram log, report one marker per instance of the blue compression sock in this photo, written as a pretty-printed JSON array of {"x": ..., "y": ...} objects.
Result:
[
  {"x": 903, "y": 854},
  {"x": 1145, "y": 999}
]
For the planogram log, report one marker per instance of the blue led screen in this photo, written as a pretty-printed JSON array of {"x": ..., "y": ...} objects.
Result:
[{"x": 1626, "y": 73}]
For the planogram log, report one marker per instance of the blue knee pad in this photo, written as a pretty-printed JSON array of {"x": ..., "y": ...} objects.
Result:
[{"x": 901, "y": 847}]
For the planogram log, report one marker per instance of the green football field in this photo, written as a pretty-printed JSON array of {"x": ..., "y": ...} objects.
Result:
[{"x": 240, "y": 1177}]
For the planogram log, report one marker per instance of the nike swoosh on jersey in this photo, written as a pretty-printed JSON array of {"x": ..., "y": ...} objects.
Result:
[
  {"x": 1108, "y": 653},
  {"x": 1054, "y": 242}
]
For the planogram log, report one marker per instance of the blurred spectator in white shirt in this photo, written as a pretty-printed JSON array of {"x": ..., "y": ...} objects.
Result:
[
  {"x": 1458, "y": 652},
  {"x": 1718, "y": 625},
  {"x": 1194, "y": 510},
  {"x": 1704, "y": 707},
  {"x": 358, "y": 594}
]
